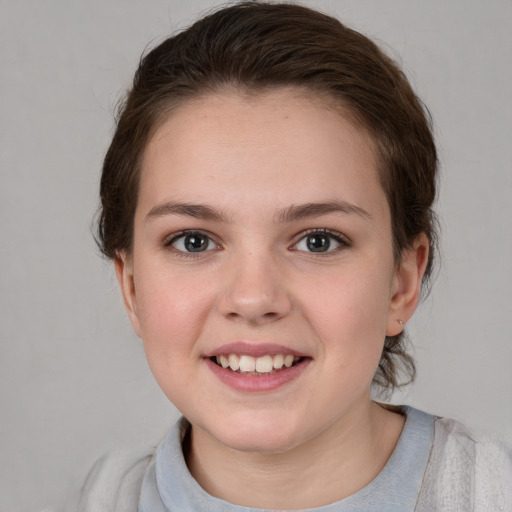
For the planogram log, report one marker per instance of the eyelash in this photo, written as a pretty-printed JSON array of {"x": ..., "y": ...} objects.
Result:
[
  {"x": 168, "y": 243},
  {"x": 340, "y": 239}
]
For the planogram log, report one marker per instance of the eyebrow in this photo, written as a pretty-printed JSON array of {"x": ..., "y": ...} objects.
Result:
[
  {"x": 289, "y": 214},
  {"x": 197, "y": 211},
  {"x": 303, "y": 211}
]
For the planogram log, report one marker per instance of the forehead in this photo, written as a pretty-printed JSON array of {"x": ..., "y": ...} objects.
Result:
[
  {"x": 239, "y": 111},
  {"x": 285, "y": 140}
]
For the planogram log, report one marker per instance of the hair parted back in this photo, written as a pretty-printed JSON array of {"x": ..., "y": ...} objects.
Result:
[{"x": 251, "y": 47}]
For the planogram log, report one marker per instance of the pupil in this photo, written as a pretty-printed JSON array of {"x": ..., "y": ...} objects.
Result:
[
  {"x": 196, "y": 243},
  {"x": 318, "y": 243}
]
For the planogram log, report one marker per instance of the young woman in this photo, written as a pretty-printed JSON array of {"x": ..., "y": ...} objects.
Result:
[{"x": 267, "y": 201}]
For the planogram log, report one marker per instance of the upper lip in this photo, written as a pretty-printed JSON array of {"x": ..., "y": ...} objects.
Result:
[{"x": 253, "y": 349}]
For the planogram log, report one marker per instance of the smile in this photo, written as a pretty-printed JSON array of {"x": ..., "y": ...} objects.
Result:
[
  {"x": 256, "y": 367},
  {"x": 249, "y": 365}
]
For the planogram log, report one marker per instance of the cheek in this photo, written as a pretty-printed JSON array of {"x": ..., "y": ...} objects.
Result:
[
  {"x": 349, "y": 312},
  {"x": 171, "y": 311},
  {"x": 171, "y": 316}
]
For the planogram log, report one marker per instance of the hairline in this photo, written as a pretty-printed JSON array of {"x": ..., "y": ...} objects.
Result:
[{"x": 318, "y": 96}]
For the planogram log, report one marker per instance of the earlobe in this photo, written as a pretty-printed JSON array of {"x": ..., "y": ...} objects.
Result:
[
  {"x": 124, "y": 271},
  {"x": 407, "y": 285}
]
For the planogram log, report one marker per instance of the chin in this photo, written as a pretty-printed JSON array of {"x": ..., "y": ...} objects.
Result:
[
  {"x": 260, "y": 442},
  {"x": 265, "y": 434}
]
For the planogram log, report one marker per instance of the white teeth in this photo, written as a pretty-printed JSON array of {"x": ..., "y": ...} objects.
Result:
[
  {"x": 247, "y": 364},
  {"x": 288, "y": 360},
  {"x": 278, "y": 361},
  {"x": 256, "y": 365},
  {"x": 264, "y": 364},
  {"x": 234, "y": 362},
  {"x": 223, "y": 361}
]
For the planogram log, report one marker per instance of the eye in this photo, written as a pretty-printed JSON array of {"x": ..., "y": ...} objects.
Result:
[
  {"x": 320, "y": 241},
  {"x": 192, "y": 242}
]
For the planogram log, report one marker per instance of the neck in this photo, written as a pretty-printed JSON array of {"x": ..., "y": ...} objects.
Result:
[{"x": 337, "y": 463}]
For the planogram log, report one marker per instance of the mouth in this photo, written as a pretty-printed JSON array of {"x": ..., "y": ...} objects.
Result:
[
  {"x": 257, "y": 367},
  {"x": 268, "y": 364}
]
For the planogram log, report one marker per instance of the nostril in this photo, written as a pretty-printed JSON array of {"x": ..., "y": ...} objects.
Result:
[
  {"x": 252, "y": 304},
  {"x": 268, "y": 317}
]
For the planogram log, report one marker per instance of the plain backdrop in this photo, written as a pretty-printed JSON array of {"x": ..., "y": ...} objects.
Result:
[{"x": 73, "y": 378}]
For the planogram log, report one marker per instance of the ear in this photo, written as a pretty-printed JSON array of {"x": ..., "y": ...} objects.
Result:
[
  {"x": 406, "y": 286},
  {"x": 124, "y": 271}
]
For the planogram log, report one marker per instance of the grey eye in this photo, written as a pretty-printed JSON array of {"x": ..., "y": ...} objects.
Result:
[
  {"x": 318, "y": 242},
  {"x": 193, "y": 242}
]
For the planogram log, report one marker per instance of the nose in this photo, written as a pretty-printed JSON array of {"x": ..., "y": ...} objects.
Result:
[{"x": 255, "y": 291}]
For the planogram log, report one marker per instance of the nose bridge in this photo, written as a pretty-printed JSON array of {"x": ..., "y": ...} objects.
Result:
[{"x": 254, "y": 288}]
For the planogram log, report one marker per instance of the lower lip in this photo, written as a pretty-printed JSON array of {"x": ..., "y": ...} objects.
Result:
[{"x": 257, "y": 383}]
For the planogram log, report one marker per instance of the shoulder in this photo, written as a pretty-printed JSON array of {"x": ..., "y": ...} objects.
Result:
[
  {"x": 488, "y": 453},
  {"x": 490, "y": 459},
  {"x": 114, "y": 482},
  {"x": 468, "y": 469}
]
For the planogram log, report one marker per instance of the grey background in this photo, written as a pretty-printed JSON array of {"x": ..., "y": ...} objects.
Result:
[{"x": 73, "y": 378}]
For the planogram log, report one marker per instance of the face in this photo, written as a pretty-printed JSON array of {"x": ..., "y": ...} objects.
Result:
[{"x": 262, "y": 280}]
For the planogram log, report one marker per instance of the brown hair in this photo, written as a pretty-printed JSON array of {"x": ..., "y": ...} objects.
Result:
[{"x": 256, "y": 46}]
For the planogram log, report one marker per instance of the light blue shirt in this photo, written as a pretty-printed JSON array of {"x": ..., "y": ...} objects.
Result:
[{"x": 168, "y": 486}]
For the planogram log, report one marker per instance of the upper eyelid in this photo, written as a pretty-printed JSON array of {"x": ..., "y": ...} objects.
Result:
[
  {"x": 342, "y": 240},
  {"x": 170, "y": 239},
  {"x": 324, "y": 231}
]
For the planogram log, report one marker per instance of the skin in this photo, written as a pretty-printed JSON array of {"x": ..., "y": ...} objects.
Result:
[{"x": 250, "y": 160}]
